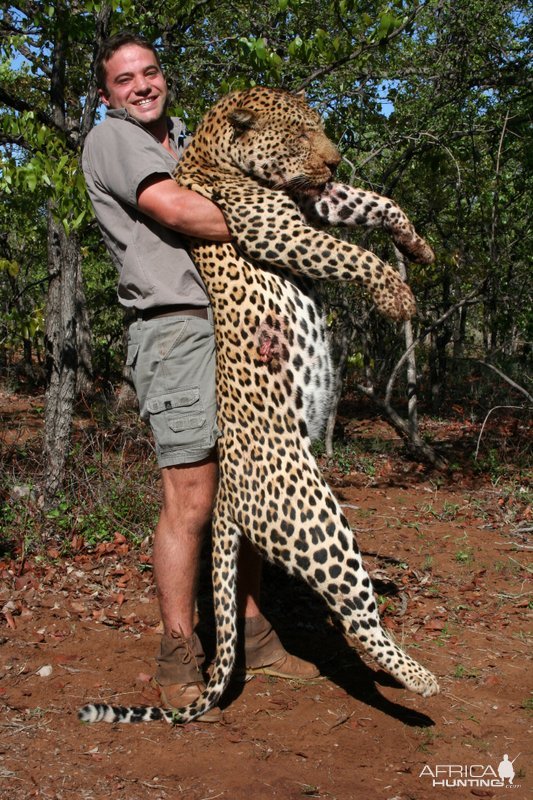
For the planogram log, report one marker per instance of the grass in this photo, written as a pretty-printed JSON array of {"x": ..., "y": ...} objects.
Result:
[
  {"x": 464, "y": 556},
  {"x": 113, "y": 504},
  {"x": 352, "y": 456},
  {"x": 447, "y": 513},
  {"x": 443, "y": 637},
  {"x": 465, "y": 553},
  {"x": 307, "y": 790},
  {"x": 427, "y": 564},
  {"x": 465, "y": 672},
  {"x": 112, "y": 488},
  {"x": 428, "y": 740},
  {"x": 527, "y": 705}
]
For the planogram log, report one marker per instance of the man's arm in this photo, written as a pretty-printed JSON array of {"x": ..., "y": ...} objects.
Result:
[{"x": 181, "y": 209}]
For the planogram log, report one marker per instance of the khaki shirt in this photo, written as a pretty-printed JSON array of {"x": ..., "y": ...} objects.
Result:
[{"x": 154, "y": 266}]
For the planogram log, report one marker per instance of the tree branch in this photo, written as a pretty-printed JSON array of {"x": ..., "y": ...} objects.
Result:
[
  {"x": 17, "y": 104},
  {"x": 468, "y": 300},
  {"x": 367, "y": 47},
  {"x": 91, "y": 101},
  {"x": 485, "y": 422},
  {"x": 504, "y": 377},
  {"x": 18, "y": 141}
]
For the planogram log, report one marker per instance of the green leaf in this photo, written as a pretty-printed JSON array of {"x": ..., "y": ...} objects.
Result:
[
  {"x": 11, "y": 267},
  {"x": 387, "y": 24},
  {"x": 260, "y": 49},
  {"x": 79, "y": 219},
  {"x": 31, "y": 181}
]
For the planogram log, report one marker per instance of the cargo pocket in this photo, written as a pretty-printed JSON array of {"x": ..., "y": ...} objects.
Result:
[
  {"x": 178, "y": 419},
  {"x": 131, "y": 363},
  {"x": 131, "y": 355}
]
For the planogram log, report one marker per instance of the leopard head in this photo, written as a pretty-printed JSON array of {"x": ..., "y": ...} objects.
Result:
[{"x": 272, "y": 136}]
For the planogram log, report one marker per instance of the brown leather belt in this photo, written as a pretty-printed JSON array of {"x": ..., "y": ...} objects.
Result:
[{"x": 169, "y": 311}]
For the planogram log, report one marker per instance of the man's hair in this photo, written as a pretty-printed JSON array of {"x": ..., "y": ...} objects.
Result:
[{"x": 110, "y": 46}]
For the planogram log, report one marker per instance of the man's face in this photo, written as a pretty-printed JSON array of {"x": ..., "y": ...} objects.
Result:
[{"x": 135, "y": 82}]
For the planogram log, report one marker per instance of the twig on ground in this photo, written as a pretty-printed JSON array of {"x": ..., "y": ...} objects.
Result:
[
  {"x": 340, "y": 721},
  {"x": 522, "y": 566},
  {"x": 520, "y": 546},
  {"x": 403, "y": 605}
]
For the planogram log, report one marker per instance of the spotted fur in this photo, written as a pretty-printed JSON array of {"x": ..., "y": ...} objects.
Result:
[{"x": 262, "y": 155}]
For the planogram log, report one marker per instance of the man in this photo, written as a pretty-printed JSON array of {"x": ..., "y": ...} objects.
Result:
[{"x": 128, "y": 162}]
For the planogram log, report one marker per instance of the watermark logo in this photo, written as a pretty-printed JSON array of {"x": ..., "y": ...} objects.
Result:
[
  {"x": 478, "y": 776},
  {"x": 506, "y": 769}
]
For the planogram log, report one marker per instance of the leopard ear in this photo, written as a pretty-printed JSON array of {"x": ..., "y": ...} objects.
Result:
[
  {"x": 300, "y": 94},
  {"x": 242, "y": 119}
]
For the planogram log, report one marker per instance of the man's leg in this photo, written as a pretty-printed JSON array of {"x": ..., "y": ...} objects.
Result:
[
  {"x": 188, "y": 496},
  {"x": 260, "y": 650}
]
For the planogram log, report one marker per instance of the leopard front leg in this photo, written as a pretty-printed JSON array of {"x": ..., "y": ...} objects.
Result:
[
  {"x": 340, "y": 204},
  {"x": 268, "y": 227}
]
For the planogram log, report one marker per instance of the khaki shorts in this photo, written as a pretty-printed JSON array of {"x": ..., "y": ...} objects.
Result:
[{"x": 172, "y": 360}]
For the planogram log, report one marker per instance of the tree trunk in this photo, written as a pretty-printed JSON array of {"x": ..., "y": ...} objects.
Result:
[
  {"x": 412, "y": 400},
  {"x": 67, "y": 339},
  {"x": 84, "y": 375},
  {"x": 64, "y": 263},
  {"x": 340, "y": 346},
  {"x": 438, "y": 357},
  {"x": 418, "y": 448},
  {"x": 460, "y": 334}
]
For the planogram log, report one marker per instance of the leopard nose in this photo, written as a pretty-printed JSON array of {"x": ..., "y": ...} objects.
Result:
[{"x": 333, "y": 159}]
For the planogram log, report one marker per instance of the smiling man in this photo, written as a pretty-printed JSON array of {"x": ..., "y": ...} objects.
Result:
[{"x": 128, "y": 161}]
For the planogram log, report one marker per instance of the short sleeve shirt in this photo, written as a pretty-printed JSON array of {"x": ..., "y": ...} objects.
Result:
[{"x": 154, "y": 267}]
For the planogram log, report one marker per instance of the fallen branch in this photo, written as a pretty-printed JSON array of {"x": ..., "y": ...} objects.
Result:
[
  {"x": 470, "y": 299},
  {"x": 415, "y": 442}
]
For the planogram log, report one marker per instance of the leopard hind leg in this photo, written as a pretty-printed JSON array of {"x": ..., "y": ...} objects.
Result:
[{"x": 308, "y": 535}]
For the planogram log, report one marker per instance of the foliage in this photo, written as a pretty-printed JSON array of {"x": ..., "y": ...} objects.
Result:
[{"x": 430, "y": 102}]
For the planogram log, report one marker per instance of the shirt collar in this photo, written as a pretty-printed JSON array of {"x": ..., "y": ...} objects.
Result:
[{"x": 176, "y": 128}]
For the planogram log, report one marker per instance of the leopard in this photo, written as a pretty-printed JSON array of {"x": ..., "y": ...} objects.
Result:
[{"x": 262, "y": 155}]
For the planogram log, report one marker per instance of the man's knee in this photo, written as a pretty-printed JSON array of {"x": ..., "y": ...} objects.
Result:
[{"x": 189, "y": 492}]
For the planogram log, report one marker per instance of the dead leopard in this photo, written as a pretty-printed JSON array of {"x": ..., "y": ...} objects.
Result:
[{"x": 263, "y": 157}]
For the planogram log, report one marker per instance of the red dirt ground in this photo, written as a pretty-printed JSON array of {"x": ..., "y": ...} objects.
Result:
[{"x": 449, "y": 559}]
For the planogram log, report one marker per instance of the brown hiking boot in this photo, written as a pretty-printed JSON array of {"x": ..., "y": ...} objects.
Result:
[
  {"x": 265, "y": 655},
  {"x": 179, "y": 678}
]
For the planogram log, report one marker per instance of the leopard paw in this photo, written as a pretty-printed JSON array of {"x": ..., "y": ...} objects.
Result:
[
  {"x": 413, "y": 247},
  {"x": 421, "y": 681},
  {"x": 393, "y": 297}
]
